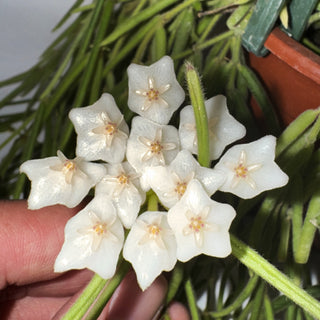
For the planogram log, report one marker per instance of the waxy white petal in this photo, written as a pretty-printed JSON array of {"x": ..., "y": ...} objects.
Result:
[
  {"x": 170, "y": 182},
  {"x": 122, "y": 185},
  {"x": 151, "y": 144},
  {"x": 93, "y": 239},
  {"x": 200, "y": 224},
  {"x": 250, "y": 168},
  {"x": 57, "y": 180},
  {"x": 223, "y": 128},
  {"x": 154, "y": 91},
  {"x": 150, "y": 247},
  {"x": 101, "y": 129}
]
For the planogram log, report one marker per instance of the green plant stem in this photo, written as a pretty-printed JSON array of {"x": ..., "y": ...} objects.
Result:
[
  {"x": 192, "y": 300},
  {"x": 63, "y": 65},
  {"x": 17, "y": 131},
  {"x": 106, "y": 9},
  {"x": 209, "y": 28},
  {"x": 95, "y": 295},
  {"x": 246, "y": 311},
  {"x": 273, "y": 276},
  {"x": 308, "y": 230},
  {"x": 130, "y": 45},
  {"x": 175, "y": 281},
  {"x": 243, "y": 295},
  {"x": 68, "y": 14},
  {"x": 203, "y": 45},
  {"x": 310, "y": 44},
  {"x": 141, "y": 50},
  {"x": 197, "y": 101},
  {"x": 296, "y": 211},
  {"x": 152, "y": 201},
  {"x": 268, "y": 311},
  {"x": 284, "y": 234},
  {"x": 258, "y": 302},
  {"x": 90, "y": 293},
  {"x": 107, "y": 292},
  {"x": 29, "y": 147},
  {"x": 131, "y": 23},
  {"x": 295, "y": 129},
  {"x": 139, "y": 6}
]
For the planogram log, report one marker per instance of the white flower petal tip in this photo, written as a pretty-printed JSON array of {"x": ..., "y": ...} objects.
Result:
[
  {"x": 122, "y": 185},
  {"x": 200, "y": 224},
  {"x": 58, "y": 180},
  {"x": 154, "y": 91},
  {"x": 250, "y": 168},
  {"x": 151, "y": 144},
  {"x": 101, "y": 129},
  {"x": 170, "y": 182},
  {"x": 93, "y": 239},
  {"x": 223, "y": 128},
  {"x": 150, "y": 247}
]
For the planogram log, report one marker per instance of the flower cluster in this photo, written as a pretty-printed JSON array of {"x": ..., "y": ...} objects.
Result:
[{"x": 152, "y": 155}]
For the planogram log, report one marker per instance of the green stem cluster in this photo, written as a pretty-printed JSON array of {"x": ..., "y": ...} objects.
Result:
[
  {"x": 96, "y": 295},
  {"x": 249, "y": 257}
]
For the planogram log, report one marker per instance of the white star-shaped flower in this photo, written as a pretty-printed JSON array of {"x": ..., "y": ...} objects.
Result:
[
  {"x": 200, "y": 224},
  {"x": 154, "y": 91},
  {"x": 170, "y": 182},
  {"x": 150, "y": 247},
  {"x": 250, "y": 168},
  {"x": 223, "y": 128},
  {"x": 93, "y": 239},
  {"x": 101, "y": 129},
  {"x": 151, "y": 144},
  {"x": 58, "y": 180},
  {"x": 122, "y": 185}
]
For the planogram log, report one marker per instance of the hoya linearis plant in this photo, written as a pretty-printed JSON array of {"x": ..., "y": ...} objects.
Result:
[{"x": 91, "y": 55}]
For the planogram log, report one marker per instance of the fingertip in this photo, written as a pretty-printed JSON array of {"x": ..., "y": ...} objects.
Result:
[
  {"x": 177, "y": 311},
  {"x": 130, "y": 302}
]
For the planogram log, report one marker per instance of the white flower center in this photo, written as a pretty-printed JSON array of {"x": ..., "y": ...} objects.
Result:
[
  {"x": 242, "y": 171},
  {"x": 155, "y": 147},
  {"x": 67, "y": 167},
  {"x": 123, "y": 179},
  {"x": 153, "y": 94},
  {"x": 153, "y": 231},
  {"x": 197, "y": 224},
  {"x": 180, "y": 188},
  {"x": 110, "y": 129},
  {"x": 98, "y": 230}
]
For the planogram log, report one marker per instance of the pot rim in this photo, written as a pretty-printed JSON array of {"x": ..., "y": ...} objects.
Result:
[{"x": 294, "y": 54}]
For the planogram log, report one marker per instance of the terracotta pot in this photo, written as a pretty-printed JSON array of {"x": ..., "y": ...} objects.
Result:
[{"x": 291, "y": 75}]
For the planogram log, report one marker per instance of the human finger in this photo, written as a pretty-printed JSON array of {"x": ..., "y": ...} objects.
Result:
[
  {"x": 177, "y": 311},
  {"x": 30, "y": 241},
  {"x": 64, "y": 286},
  {"x": 31, "y": 308},
  {"x": 130, "y": 302}
]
